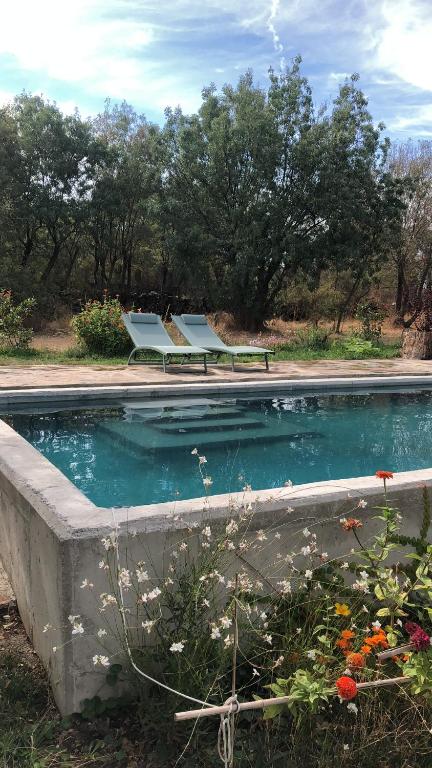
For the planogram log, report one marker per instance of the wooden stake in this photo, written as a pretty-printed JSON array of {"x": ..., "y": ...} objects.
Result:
[
  {"x": 395, "y": 651},
  {"x": 263, "y": 703}
]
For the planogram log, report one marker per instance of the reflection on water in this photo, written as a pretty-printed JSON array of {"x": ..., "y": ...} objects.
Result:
[{"x": 140, "y": 453}]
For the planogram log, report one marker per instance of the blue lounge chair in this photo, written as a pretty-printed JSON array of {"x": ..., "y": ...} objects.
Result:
[
  {"x": 148, "y": 333},
  {"x": 196, "y": 330}
]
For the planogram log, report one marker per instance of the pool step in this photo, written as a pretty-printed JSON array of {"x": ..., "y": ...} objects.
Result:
[
  {"x": 205, "y": 425},
  {"x": 139, "y": 436}
]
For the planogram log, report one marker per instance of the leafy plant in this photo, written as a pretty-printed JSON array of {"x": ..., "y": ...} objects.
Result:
[
  {"x": 360, "y": 347},
  {"x": 313, "y": 338},
  {"x": 371, "y": 318},
  {"x": 100, "y": 328},
  {"x": 14, "y": 334}
]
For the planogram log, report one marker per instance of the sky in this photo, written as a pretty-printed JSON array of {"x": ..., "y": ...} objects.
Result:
[{"x": 159, "y": 53}]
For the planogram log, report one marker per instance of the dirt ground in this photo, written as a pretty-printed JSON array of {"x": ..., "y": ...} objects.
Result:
[{"x": 58, "y": 337}]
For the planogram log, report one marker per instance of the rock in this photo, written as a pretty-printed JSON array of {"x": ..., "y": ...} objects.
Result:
[{"x": 417, "y": 345}]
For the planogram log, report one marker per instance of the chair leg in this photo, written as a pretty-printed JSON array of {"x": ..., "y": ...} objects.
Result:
[
  {"x": 232, "y": 363},
  {"x": 132, "y": 356},
  {"x": 205, "y": 363},
  {"x": 163, "y": 363},
  {"x": 266, "y": 361}
]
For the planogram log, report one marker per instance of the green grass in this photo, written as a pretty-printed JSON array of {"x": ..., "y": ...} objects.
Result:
[{"x": 74, "y": 356}]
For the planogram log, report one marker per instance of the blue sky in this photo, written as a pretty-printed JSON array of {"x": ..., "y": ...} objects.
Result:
[{"x": 156, "y": 53}]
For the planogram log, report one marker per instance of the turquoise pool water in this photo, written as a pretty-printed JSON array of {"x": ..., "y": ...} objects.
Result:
[{"x": 140, "y": 452}]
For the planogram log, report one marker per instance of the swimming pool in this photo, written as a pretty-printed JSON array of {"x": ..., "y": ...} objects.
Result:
[{"x": 131, "y": 453}]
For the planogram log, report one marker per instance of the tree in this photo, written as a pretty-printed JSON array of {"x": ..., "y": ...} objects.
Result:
[
  {"x": 412, "y": 163},
  {"x": 259, "y": 186}
]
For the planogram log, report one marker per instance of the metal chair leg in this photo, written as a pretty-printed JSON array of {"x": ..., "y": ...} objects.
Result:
[
  {"x": 163, "y": 363},
  {"x": 205, "y": 363},
  {"x": 266, "y": 361},
  {"x": 232, "y": 363}
]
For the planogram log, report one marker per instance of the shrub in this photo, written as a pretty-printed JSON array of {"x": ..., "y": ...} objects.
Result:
[
  {"x": 99, "y": 327},
  {"x": 13, "y": 332},
  {"x": 313, "y": 338},
  {"x": 359, "y": 347},
  {"x": 371, "y": 318}
]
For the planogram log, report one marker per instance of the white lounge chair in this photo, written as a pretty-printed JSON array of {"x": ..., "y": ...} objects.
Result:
[
  {"x": 196, "y": 330},
  {"x": 148, "y": 333}
]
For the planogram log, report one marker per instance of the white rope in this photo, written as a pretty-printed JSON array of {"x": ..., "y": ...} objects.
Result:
[
  {"x": 225, "y": 742},
  {"x": 126, "y": 629}
]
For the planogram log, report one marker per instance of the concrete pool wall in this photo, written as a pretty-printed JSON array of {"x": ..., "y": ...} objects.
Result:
[{"x": 50, "y": 532}]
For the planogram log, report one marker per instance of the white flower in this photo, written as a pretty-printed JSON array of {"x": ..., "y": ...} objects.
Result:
[
  {"x": 345, "y": 566},
  {"x": 376, "y": 624},
  {"x": 141, "y": 575},
  {"x": 228, "y": 641},
  {"x": 110, "y": 541},
  {"x": 183, "y": 546},
  {"x": 177, "y": 647},
  {"x": 285, "y": 586},
  {"x": 207, "y": 481},
  {"x": 47, "y": 627},
  {"x": 231, "y": 528},
  {"x": 346, "y": 747},
  {"x": 124, "y": 578},
  {"x": 351, "y": 707},
  {"x": 102, "y": 660},
  {"x": 288, "y": 484},
  {"x": 54, "y": 650},
  {"x": 205, "y": 603},
  {"x": 364, "y": 575},
  {"x": 72, "y": 619},
  {"x": 225, "y": 622},
  {"x": 362, "y": 504},
  {"x": 308, "y": 574},
  {"x": 263, "y": 616},
  {"x": 86, "y": 584},
  {"x": 324, "y": 555},
  {"x": 194, "y": 452},
  {"x": 103, "y": 565},
  {"x": 306, "y": 532},
  {"x": 261, "y": 535},
  {"x": 78, "y": 628},
  {"x": 299, "y": 630},
  {"x": 215, "y": 632},
  {"x": 205, "y": 545},
  {"x": 107, "y": 600},
  {"x": 306, "y": 551},
  {"x": 147, "y": 597},
  {"x": 206, "y": 532},
  {"x": 255, "y": 672},
  {"x": 311, "y": 654},
  {"x": 101, "y": 633},
  {"x": 202, "y": 459},
  {"x": 268, "y": 639},
  {"x": 148, "y": 625},
  {"x": 342, "y": 520},
  {"x": 361, "y": 586},
  {"x": 277, "y": 535}
]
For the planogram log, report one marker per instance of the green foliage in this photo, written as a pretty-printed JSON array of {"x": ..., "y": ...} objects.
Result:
[
  {"x": 14, "y": 333},
  {"x": 314, "y": 338},
  {"x": 359, "y": 347},
  {"x": 371, "y": 318},
  {"x": 100, "y": 328},
  {"x": 304, "y": 690}
]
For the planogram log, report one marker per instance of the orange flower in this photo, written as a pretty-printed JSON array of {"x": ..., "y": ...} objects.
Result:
[
  {"x": 348, "y": 634},
  {"x": 382, "y": 474},
  {"x": 355, "y": 661},
  {"x": 346, "y": 687},
  {"x": 343, "y": 644},
  {"x": 378, "y": 639},
  {"x": 366, "y": 649},
  {"x": 350, "y": 523}
]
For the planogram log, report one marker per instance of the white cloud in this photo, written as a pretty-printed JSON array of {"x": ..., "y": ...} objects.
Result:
[
  {"x": 6, "y": 97},
  {"x": 415, "y": 122},
  {"x": 404, "y": 45}
]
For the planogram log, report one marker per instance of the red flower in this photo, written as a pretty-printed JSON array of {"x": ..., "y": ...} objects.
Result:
[
  {"x": 382, "y": 474},
  {"x": 346, "y": 687},
  {"x": 419, "y": 638},
  {"x": 355, "y": 660}
]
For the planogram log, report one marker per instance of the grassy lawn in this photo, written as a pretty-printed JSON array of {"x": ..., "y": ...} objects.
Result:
[{"x": 74, "y": 356}]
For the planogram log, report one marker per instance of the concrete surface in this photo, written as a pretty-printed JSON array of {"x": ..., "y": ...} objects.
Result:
[{"x": 50, "y": 542}]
